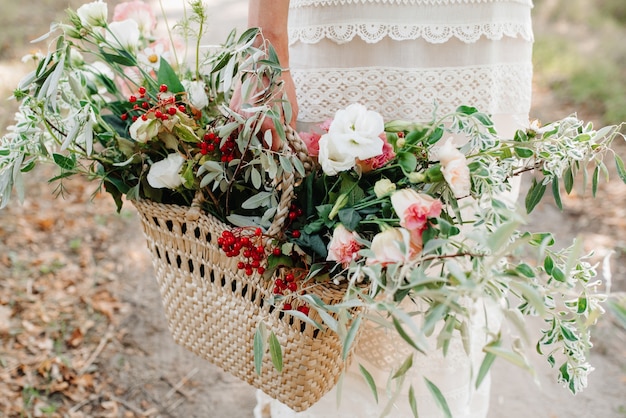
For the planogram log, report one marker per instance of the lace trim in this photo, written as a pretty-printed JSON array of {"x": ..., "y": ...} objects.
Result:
[
  {"x": 373, "y": 33},
  {"x": 400, "y": 93},
  {"x": 305, "y": 3}
]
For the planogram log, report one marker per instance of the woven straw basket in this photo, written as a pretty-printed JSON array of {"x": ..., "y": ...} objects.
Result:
[{"x": 213, "y": 309}]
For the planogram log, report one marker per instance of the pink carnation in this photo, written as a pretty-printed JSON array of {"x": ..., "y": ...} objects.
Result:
[
  {"x": 312, "y": 139},
  {"x": 312, "y": 142},
  {"x": 414, "y": 209},
  {"x": 378, "y": 161},
  {"x": 343, "y": 247},
  {"x": 138, "y": 11}
]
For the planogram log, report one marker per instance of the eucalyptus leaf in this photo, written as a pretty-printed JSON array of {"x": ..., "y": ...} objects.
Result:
[
  {"x": 439, "y": 398},
  {"x": 259, "y": 347},
  {"x": 370, "y": 381},
  {"x": 276, "y": 352}
]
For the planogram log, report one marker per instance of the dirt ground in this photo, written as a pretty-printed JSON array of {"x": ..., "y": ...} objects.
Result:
[{"x": 83, "y": 332}]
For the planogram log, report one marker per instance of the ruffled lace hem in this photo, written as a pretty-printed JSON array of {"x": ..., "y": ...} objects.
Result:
[
  {"x": 436, "y": 34},
  {"x": 305, "y": 3}
]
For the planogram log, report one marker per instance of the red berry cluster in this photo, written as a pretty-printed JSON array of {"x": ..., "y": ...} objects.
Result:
[
  {"x": 288, "y": 284},
  {"x": 302, "y": 308},
  {"x": 293, "y": 214},
  {"x": 228, "y": 150},
  {"x": 164, "y": 108},
  {"x": 246, "y": 243},
  {"x": 209, "y": 143}
]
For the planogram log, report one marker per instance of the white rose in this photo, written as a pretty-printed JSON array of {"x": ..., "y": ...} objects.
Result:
[
  {"x": 165, "y": 173},
  {"x": 353, "y": 133},
  {"x": 454, "y": 168},
  {"x": 93, "y": 14},
  {"x": 196, "y": 92},
  {"x": 332, "y": 159},
  {"x": 387, "y": 247},
  {"x": 123, "y": 35},
  {"x": 144, "y": 130},
  {"x": 457, "y": 175}
]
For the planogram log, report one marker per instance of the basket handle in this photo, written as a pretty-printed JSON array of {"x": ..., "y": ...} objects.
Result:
[
  {"x": 287, "y": 183},
  {"x": 294, "y": 145}
]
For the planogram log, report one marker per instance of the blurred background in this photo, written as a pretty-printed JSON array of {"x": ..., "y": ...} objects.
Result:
[{"x": 82, "y": 333}]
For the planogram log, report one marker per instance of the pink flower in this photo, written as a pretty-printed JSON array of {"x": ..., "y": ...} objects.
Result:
[
  {"x": 138, "y": 11},
  {"x": 325, "y": 126},
  {"x": 343, "y": 247},
  {"x": 414, "y": 209},
  {"x": 380, "y": 160},
  {"x": 311, "y": 140},
  {"x": 454, "y": 168},
  {"x": 394, "y": 245}
]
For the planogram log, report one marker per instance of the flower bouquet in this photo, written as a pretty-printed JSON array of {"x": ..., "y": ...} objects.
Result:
[{"x": 271, "y": 259}]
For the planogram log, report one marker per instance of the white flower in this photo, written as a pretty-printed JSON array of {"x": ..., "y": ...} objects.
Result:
[
  {"x": 390, "y": 246},
  {"x": 165, "y": 173},
  {"x": 93, "y": 14},
  {"x": 331, "y": 158},
  {"x": 353, "y": 133},
  {"x": 144, "y": 130},
  {"x": 454, "y": 168},
  {"x": 101, "y": 68},
  {"x": 123, "y": 35},
  {"x": 196, "y": 92},
  {"x": 151, "y": 56}
]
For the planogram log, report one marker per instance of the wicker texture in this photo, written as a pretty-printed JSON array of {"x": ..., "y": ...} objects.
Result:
[{"x": 213, "y": 309}]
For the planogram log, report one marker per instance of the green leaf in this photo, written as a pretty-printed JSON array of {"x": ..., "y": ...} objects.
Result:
[
  {"x": 568, "y": 334},
  {"x": 568, "y": 180},
  {"x": 29, "y": 166},
  {"x": 404, "y": 335},
  {"x": 535, "y": 193},
  {"x": 483, "y": 118},
  {"x": 501, "y": 236},
  {"x": 408, "y": 363},
  {"x": 124, "y": 59},
  {"x": 276, "y": 352},
  {"x": 486, "y": 365},
  {"x": 352, "y": 333},
  {"x": 556, "y": 192},
  {"x": 548, "y": 264},
  {"x": 564, "y": 373},
  {"x": 558, "y": 274},
  {"x": 413, "y": 401},
  {"x": 466, "y": 110},
  {"x": 621, "y": 171},
  {"x": 66, "y": 163},
  {"x": 582, "y": 305},
  {"x": 370, "y": 381},
  {"x": 525, "y": 270},
  {"x": 513, "y": 358},
  {"x": 435, "y": 136},
  {"x": 407, "y": 161},
  {"x": 167, "y": 76},
  {"x": 524, "y": 152},
  {"x": 441, "y": 400},
  {"x": 259, "y": 347},
  {"x": 520, "y": 136},
  {"x": 350, "y": 218},
  {"x": 594, "y": 181}
]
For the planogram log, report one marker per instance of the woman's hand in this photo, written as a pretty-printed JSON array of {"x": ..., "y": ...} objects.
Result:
[{"x": 271, "y": 17}]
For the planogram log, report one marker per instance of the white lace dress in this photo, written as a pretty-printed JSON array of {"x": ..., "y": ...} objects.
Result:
[{"x": 403, "y": 58}]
